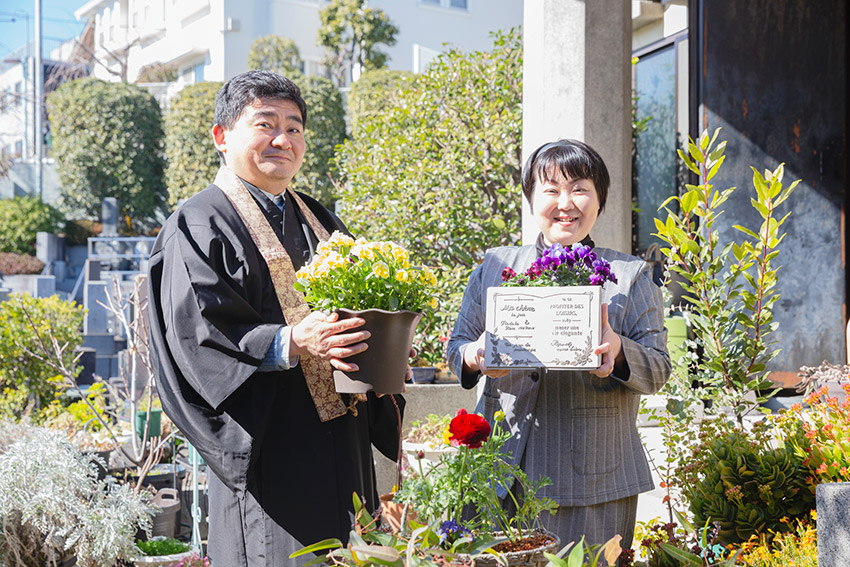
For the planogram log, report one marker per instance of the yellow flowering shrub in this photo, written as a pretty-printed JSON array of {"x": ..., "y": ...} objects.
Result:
[
  {"x": 359, "y": 274},
  {"x": 798, "y": 548}
]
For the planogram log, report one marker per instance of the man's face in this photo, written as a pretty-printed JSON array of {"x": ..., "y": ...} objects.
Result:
[{"x": 265, "y": 147}]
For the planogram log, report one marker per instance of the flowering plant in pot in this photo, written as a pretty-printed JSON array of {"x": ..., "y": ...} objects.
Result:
[
  {"x": 572, "y": 301},
  {"x": 560, "y": 266},
  {"x": 374, "y": 281},
  {"x": 369, "y": 544},
  {"x": 463, "y": 492}
]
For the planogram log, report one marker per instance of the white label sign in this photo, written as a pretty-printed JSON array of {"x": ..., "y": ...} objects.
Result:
[{"x": 543, "y": 327}]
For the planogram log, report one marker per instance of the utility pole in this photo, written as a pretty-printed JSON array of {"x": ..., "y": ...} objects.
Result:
[{"x": 39, "y": 95}]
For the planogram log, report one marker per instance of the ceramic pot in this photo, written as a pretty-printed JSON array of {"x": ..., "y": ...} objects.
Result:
[
  {"x": 391, "y": 512},
  {"x": 430, "y": 454},
  {"x": 526, "y": 558},
  {"x": 383, "y": 365},
  {"x": 424, "y": 374},
  {"x": 160, "y": 560}
]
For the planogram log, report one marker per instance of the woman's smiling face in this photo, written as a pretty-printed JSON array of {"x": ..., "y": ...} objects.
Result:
[{"x": 565, "y": 209}]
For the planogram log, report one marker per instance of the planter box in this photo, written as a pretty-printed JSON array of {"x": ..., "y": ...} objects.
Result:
[
  {"x": 543, "y": 327},
  {"x": 160, "y": 560},
  {"x": 432, "y": 454}
]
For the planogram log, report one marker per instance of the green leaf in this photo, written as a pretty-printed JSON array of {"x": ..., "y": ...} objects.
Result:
[
  {"x": 379, "y": 554},
  {"x": 746, "y": 231},
  {"x": 760, "y": 208},
  {"x": 713, "y": 170},
  {"x": 704, "y": 140},
  {"x": 689, "y": 201},
  {"x": 331, "y": 543},
  {"x": 760, "y": 185},
  {"x": 684, "y": 557},
  {"x": 576, "y": 555}
]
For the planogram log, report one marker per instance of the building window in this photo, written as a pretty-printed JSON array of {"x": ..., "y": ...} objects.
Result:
[
  {"x": 454, "y": 4},
  {"x": 660, "y": 84}
]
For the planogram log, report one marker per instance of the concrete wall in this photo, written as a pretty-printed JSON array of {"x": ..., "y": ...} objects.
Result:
[
  {"x": 577, "y": 84},
  {"x": 423, "y": 399}
]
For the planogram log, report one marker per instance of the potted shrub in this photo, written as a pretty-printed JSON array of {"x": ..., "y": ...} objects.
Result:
[
  {"x": 426, "y": 441},
  {"x": 462, "y": 493},
  {"x": 52, "y": 505},
  {"x": 161, "y": 551},
  {"x": 375, "y": 281}
]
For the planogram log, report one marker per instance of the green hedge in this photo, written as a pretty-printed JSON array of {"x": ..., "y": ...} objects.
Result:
[
  {"x": 21, "y": 218},
  {"x": 108, "y": 143},
  {"x": 192, "y": 160}
]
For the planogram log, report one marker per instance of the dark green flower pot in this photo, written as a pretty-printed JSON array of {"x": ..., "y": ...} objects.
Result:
[
  {"x": 383, "y": 365},
  {"x": 156, "y": 420}
]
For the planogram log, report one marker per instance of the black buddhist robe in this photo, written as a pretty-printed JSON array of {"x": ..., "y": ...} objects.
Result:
[{"x": 281, "y": 478}]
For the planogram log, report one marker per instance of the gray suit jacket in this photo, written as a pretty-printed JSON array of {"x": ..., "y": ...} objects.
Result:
[{"x": 575, "y": 428}]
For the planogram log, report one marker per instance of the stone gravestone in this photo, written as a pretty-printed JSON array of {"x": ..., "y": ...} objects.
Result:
[
  {"x": 49, "y": 247},
  {"x": 109, "y": 217},
  {"x": 111, "y": 250},
  {"x": 96, "y": 329},
  {"x": 833, "y": 501},
  {"x": 87, "y": 362}
]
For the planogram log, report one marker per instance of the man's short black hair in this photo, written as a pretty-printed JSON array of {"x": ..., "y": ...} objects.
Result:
[
  {"x": 573, "y": 159},
  {"x": 246, "y": 89}
]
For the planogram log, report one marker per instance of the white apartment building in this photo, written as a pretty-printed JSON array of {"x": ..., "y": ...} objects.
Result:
[
  {"x": 17, "y": 91},
  {"x": 210, "y": 39}
]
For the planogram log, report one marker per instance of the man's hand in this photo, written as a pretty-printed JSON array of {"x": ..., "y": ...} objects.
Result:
[
  {"x": 473, "y": 359},
  {"x": 324, "y": 336}
]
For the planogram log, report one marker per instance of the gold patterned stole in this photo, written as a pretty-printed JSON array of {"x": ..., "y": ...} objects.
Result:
[{"x": 317, "y": 371}]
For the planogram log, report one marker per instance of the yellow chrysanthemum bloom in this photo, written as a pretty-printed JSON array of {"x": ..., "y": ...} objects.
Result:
[
  {"x": 402, "y": 276},
  {"x": 381, "y": 270},
  {"x": 432, "y": 303}
]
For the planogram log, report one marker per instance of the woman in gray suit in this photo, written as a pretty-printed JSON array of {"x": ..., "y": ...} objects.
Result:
[{"x": 577, "y": 428}]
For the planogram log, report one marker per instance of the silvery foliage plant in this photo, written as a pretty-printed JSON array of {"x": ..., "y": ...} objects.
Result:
[{"x": 52, "y": 504}]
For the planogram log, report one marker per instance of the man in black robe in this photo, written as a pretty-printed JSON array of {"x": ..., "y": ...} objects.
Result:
[{"x": 227, "y": 363}]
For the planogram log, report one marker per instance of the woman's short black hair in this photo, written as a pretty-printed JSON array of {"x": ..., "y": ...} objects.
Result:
[
  {"x": 573, "y": 159},
  {"x": 246, "y": 89}
]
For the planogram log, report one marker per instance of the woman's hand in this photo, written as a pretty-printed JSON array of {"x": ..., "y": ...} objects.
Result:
[
  {"x": 611, "y": 348},
  {"x": 473, "y": 359}
]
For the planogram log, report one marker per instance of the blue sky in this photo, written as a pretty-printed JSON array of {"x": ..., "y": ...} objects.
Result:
[{"x": 58, "y": 24}]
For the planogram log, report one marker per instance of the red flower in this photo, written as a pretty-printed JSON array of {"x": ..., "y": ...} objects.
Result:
[{"x": 468, "y": 429}]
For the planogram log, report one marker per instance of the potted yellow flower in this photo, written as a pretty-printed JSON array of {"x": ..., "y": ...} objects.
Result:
[{"x": 374, "y": 281}]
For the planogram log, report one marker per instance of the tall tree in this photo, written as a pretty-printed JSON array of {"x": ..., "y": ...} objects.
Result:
[
  {"x": 437, "y": 168},
  {"x": 108, "y": 143},
  {"x": 275, "y": 53},
  {"x": 351, "y": 31},
  {"x": 324, "y": 131},
  {"x": 192, "y": 159}
]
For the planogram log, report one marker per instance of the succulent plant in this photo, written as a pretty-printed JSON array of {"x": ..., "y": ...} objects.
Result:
[{"x": 737, "y": 480}]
